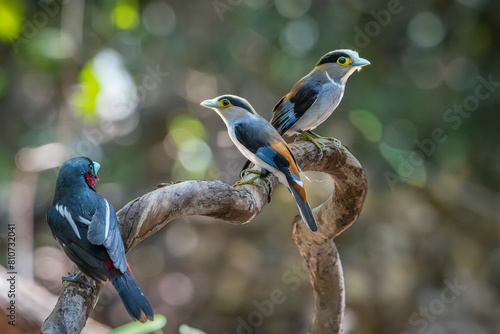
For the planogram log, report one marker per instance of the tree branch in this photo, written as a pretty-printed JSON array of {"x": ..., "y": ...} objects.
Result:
[
  {"x": 149, "y": 213},
  {"x": 34, "y": 303}
]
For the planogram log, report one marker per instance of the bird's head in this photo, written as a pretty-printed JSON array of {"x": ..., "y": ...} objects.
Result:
[
  {"x": 230, "y": 107},
  {"x": 78, "y": 172},
  {"x": 340, "y": 64}
]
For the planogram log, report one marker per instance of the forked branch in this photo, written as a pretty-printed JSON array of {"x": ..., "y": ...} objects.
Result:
[{"x": 149, "y": 213}]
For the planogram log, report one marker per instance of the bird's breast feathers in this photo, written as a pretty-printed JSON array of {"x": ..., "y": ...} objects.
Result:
[{"x": 323, "y": 107}]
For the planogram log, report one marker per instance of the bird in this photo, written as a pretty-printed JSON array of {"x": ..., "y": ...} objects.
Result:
[
  {"x": 86, "y": 226},
  {"x": 314, "y": 97},
  {"x": 259, "y": 142}
]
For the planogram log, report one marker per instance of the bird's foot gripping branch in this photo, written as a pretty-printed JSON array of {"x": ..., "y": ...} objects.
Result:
[{"x": 147, "y": 214}]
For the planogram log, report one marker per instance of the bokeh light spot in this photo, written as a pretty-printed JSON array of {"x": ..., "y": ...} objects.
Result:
[
  {"x": 11, "y": 19},
  {"x": 181, "y": 239},
  {"x": 185, "y": 127},
  {"x": 159, "y": 18},
  {"x": 148, "y": 260},
  {"x": 367, "y": 123},
  {"x": 176, "y": 289},
  {"x": 195, "y": 156},
  {"x": 409, "y": 165},
  {"x": 401, "y": 134},
  {"x": 426, "y": 30},
  {"x": 107, "y": 93},
  {"x": 193, "y": 153},
  {"x": 299, "y": 36},
  {"x": 53, "y": 43},
  {"x": 84, "y": 100},
  {"x": 125, "y": 15},
  {"x": 292, "y": 9},
  {"x": 36, "y": 159},
  {"x": 200, "y": 86},
  {"x": 461, "y": 74}
]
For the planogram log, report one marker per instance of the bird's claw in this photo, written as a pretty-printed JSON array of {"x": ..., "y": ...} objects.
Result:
[
  {"x": 313, "y": 138},
  {"x": 310, "y": 137},
  {"x": 270, "y": 189},
  {"x": 76, "y": 279},
  {"x": 250, "y": 170},
  {"x": 318, "y": 145},
  {"x": 245, "y": 167},
  {"x": 252, "y": 182},
  {"x": 336, "y": 141}
]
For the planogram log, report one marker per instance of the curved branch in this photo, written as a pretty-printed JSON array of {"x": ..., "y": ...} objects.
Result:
[
  {"x": 147, "y": 214},
  {"x": 333, "y": 217}
]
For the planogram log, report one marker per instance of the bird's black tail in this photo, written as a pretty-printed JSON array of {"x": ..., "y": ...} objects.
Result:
[
  {"x": 133, "y": 298},
  {"x": 305, "y": 210}
]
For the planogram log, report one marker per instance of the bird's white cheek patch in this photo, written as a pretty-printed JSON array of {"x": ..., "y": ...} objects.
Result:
[{"x": 63, "y": 211}]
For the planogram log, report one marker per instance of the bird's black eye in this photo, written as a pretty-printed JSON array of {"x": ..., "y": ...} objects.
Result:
[
  {"x": 225, "y": 103},
  {"x": 342, "y": 61},
  {"x": 91, "y": 167}
]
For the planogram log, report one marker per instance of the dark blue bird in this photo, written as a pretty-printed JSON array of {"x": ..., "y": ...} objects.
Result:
[{"x": 86, "y": 226}]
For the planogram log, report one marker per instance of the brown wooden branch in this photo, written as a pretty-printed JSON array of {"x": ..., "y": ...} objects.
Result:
[
  {"x": 33, "y": 304},
  {"x": 149, "y": 213}
]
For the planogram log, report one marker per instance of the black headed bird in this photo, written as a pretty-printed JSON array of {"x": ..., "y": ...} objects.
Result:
[
  {"x": 86, "y": 226},
  {"x": 259, "y": 142},
  {"x": 314, "y": 97}
]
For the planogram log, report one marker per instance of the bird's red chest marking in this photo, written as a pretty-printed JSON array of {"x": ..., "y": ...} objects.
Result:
[{"x": 91, "y": 180}]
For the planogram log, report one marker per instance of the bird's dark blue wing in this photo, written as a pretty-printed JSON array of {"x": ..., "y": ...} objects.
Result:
[
  {"x": 294, "y": 104},
  {"x": 263, "y": 141},
  {"x": 70, "y": 231},
  {"x": 275, "y": 159},
  {"x": 89, "y": 232}
]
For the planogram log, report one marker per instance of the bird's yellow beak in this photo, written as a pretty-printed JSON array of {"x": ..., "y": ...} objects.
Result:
[
  {"x": 360, "y": 62},
  {"x": 209, "y": 104}
]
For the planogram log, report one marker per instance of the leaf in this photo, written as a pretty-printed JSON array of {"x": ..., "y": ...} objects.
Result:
[
  {"x": 185, "y": 329},
  {"x": 142, "y": 328}
]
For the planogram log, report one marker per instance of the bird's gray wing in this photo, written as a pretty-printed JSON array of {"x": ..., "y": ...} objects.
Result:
[{"x": 103, "y": 230}]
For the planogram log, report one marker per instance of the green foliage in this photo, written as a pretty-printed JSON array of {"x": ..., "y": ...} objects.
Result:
[
  {"x": 125, "y": 15},
  {"x": 185, "y": 329},
  {"x": 11, "y": 19},
  {"x": 135, "y": 327},
  {"x": 84, "y": 100}
]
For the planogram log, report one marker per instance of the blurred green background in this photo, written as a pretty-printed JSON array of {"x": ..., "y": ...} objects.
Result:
[{"x": 121, "y": 82}]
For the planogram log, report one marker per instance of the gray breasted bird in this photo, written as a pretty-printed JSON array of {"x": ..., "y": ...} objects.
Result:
[
  {"x": 314, "y": 97},
  {"x": 259, "y": 142}
]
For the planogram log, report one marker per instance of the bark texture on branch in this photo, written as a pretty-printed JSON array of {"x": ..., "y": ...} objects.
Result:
[
  {"x": 33, "y": 304},
  {"x": 147, "y": 214}
]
